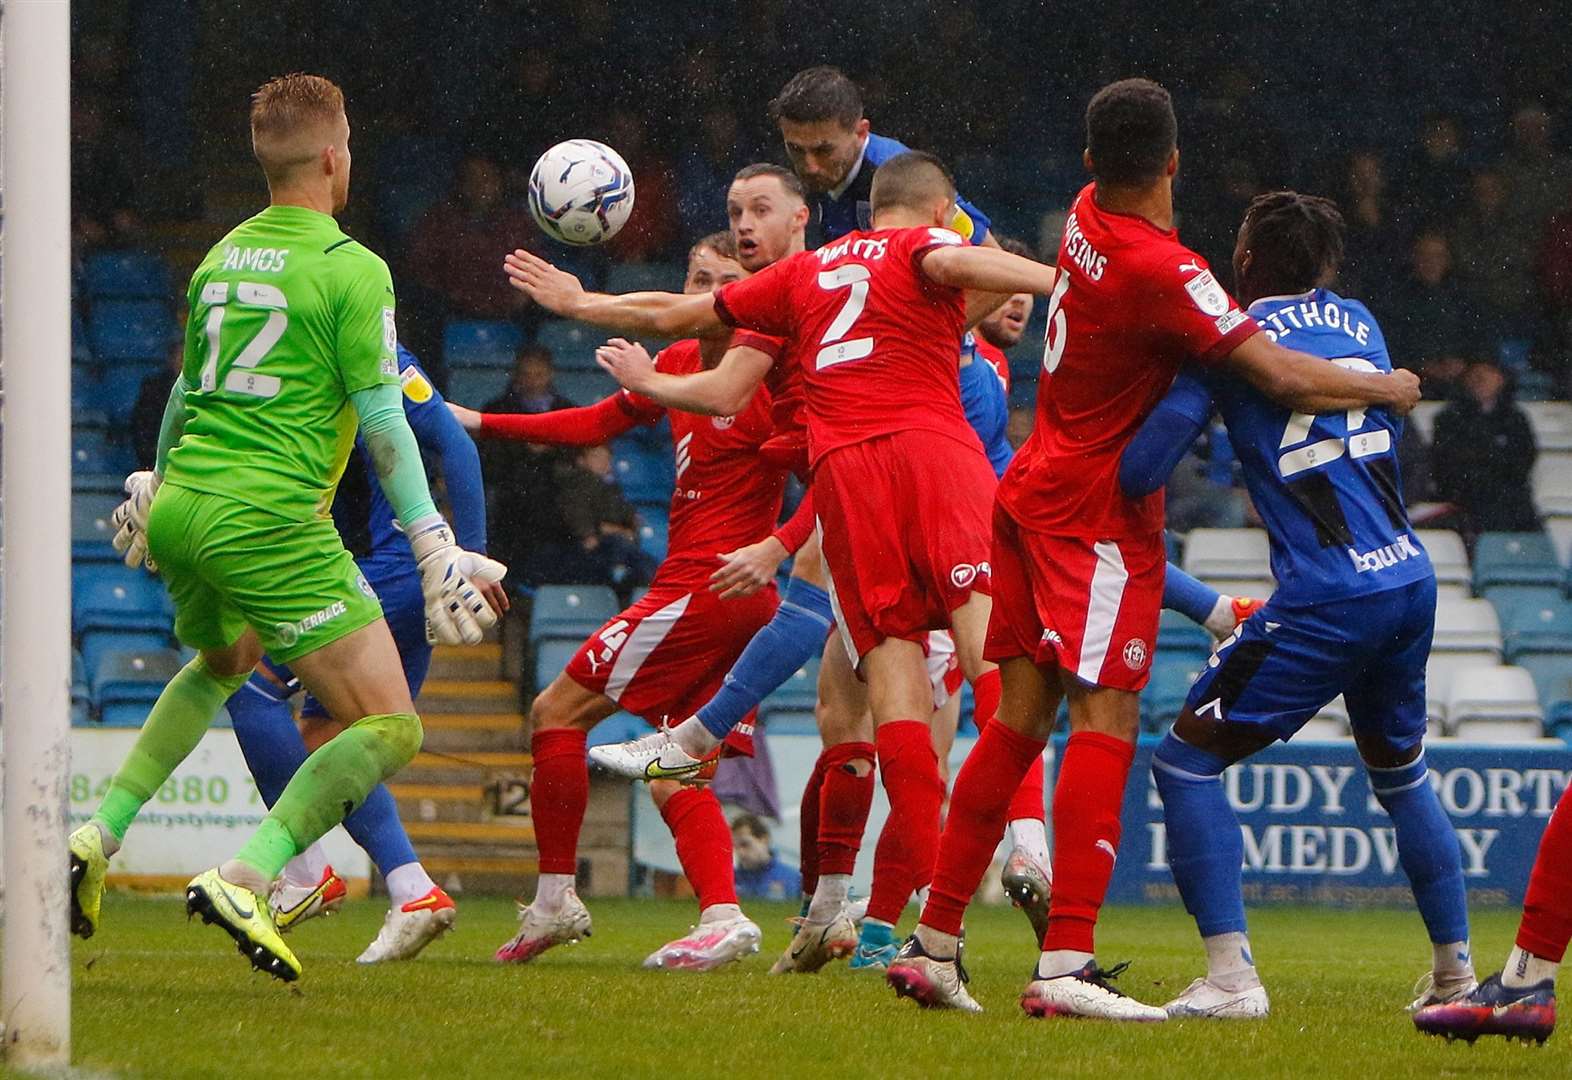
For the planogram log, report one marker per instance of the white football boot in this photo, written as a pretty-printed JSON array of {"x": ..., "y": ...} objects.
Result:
[
  {"x": 930, "y": 982},
  {"x": 1430, "y": 991},
  {"x": 409, "y": 928},
  {"x": 294, "y": 904},
  {"x": 539, "y": 932},
  {"x": 708, "y": 946},
  {"x": 655, "y": 756},
  {"x": 816, "y": 944},
  {"x": 1086, "y": 993},
  {"x": 1204, "y": 999}
]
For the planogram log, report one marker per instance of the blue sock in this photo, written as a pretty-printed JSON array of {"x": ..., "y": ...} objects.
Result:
[
  {"x": 1205, "y": 848},
  {"x": 1427, "y": 847},
  {"x": 1189, "y": 597},
  {"x": 269, "y": 740},
  {"x": 876, "y": 934},
  {"x": 789, "y": 640},
  {"x": 273, "y": 749}
]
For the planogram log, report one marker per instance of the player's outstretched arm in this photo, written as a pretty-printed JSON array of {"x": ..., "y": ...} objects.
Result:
[
  {"x": 655, "y": 314},
  {"x": 586, "y": 425},
  {"x": 723, "y": 390},
  {"x": 1165, "y": 437},
  {"x": 988, "y": 270},
  {"x": 1310, "y": 384}
]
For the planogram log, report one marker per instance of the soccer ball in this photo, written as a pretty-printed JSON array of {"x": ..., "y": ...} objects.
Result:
[{"x": 581, "y": 192}]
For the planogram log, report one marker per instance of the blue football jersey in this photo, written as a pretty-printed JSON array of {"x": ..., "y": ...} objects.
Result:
[
  {"x": 1326, "y": 486},
  {"x": 987, "y": 408},
  {"x": 852, "y": 210}
]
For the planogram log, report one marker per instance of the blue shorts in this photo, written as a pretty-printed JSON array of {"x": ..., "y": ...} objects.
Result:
[
  {"x": 1287, "y": 661},
  {"x": 404, "y": 608}
]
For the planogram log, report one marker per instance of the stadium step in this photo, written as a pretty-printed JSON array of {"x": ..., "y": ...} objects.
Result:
[
  {"x": 469, "y": 695},
  {"x": 463, "y": 732},
  {"x": 483, "y": 661}
]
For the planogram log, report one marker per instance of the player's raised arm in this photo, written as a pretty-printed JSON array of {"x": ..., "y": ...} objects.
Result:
[
  {"x": 987, "y": 270},
  {"x": 655, "y": 314},
  {"x": 723, "y": 390},
  {"x": 1165, "y": 437},
  {"x": 1310, "y": 384}
]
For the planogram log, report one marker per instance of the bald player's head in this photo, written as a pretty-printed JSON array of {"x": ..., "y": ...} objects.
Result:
[
  {"x": 300, "y": 135},
  {"x": 914, "y": 184}
]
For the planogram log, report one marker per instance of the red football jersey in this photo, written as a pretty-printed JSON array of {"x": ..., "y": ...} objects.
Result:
[
  {"x": 725, "y": 495},
  {"x": 1131, "y": 304},
  {"x": 995, "y": 358},
  {"x": 877, "y": 342}
]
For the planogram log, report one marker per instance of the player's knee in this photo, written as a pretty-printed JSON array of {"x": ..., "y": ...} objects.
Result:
[
  {"x": 399, "y": 736},
  {"x": 1380, "y": 751},
  {"x": 553, "y": 707},
  {"x": 1394, "y": 768}
]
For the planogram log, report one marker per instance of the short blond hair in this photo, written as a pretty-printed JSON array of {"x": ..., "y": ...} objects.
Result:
[{"x": 284, "y": 108}]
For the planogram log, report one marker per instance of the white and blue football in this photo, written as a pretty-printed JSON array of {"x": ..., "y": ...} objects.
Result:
[{"x": 581, "y": 192}]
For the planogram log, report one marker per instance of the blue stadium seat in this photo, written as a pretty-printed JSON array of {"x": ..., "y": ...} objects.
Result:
[
  {"x": 81, "y": 350},
  {"x": 572, "y": 344},
  {"x": 645, "y": 277},
  {"x": 1515, "y": 558},
  {"x": 645, "y": 478},
  {"x": 97, "y": 644},
  {"x": 475, "y": 386},
  {"x": 798, "y": 693},
  {"x": 654, "y": 534},
  {"x": 474, "y": 343},
  {"x": 585, "y": 387},
  {"x": 1165, "y": 694},
  {"x": 90, "y": 450},
  {"x": 132, "y": 274},
  {"x": 120, "y": 383},
  {"x": 113, "y": 596},
  {"x": 1552, "y": 672},
  {"x": 1537, "y": 630},
  {"x": 570, "y": 611},
  {"x": 788, "y": 721},
  {"x": 1508, "y": 599},
  {"x": 1179, "y": 636},
  {"x": 551, "y": 657},
  {"x": 98, "y": 483},
  {"x": 130, "y": 330},
  {"x": 133, "y": 676},
  {"x": 618, "y": 727},
  {"x": 91, "y": 530}
]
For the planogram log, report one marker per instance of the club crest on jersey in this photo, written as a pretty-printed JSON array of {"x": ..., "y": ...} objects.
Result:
[
  {"x": 722, "y": 422},
  {"x": 1135, "y": 654},
  {"x": 1207, "y": 294},
  {"x": 963, "y": 574}
]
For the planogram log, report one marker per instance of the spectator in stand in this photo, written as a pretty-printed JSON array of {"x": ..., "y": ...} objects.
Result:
[
  {"x": 1555, "y": 282},
  {"x": 1374, "y": 238},
  {"x": 1483, "y": 455},
  {"x": 760, "y": 872},
  {"x": 602, "y": 527},
  {"x": 1539, "y": 177},
  {"x": 104, "y": 157},
  {"x": 1428, "y": 318},
  {"x": 522, "y": 477},
  {"x": 1494, "y": 259},
  {"x": 147, "y": 415},
  {"x": 1435, "y": 183},
  {"x": 456, "y": 249},
  {"x": 705, "y": 170},
  {"x": 651, "y": 233}
]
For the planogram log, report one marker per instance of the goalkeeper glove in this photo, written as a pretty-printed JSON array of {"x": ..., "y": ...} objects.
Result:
[
  {"x": 456, "y": 610},
  {"x": 130, "y": 519}
]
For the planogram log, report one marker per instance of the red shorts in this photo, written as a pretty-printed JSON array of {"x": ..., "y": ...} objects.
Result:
[
  {"x": 666, "y": 655},
  {"x": 903, "y": 521},
  {"x": 1089, "y": 606}
]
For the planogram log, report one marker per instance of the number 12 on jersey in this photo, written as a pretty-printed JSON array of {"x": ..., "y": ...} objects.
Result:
[{"x": 242, "y": 376}]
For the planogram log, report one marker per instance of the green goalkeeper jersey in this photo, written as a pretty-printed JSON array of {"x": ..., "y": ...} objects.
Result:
[{"x": 288, "y": 318}]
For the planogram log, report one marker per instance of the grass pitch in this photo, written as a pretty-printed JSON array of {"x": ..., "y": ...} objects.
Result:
[{"x": 155, "y": 997}]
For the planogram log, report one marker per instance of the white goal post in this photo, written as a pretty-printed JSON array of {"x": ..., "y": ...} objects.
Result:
[{"x": 35, "y": 498}]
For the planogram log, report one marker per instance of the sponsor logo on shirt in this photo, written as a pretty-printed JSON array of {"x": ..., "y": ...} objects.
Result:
[
  {"x": 963, "y": 574},
  {"x": 389, "y": 332},
  {"x": 1207, "y": 294},
  {"x": 416, "y": 388},
  {"x": 289, "y": 633},
  {"x": 1232, "y": 319},
  {"x": 945, "y": 236},
  {"x": 684, "y": 454},
  {"x": 1401, "y": 550}
]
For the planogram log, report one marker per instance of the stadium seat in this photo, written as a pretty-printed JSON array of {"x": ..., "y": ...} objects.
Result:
[
  {"x": 1553, "y": 490},
  {"x": 572, "y": 344},
  {"x": 474, "y": 343},
  {"x": 1515, "y": 558},
  {"x": 1552, "y": 423},
  {"x": 798, "y": 693},
  {"x": 113, "y": 596},
  {"x": 551, "y": 657},
  {"x": 1177, "y": 635},
  {"x": 120, "y": 383},
  {"x": 1440, "y": 670},
  {"x": 81, "y": 349},
  {"x": 1552, "y": 674},
  {"x": 645, "y": 478},
  {"x": 618, "y": 727},
  {"x": 475, "y": 386},
  {"x": 1450, "y": 559},
  {"x": 138, "y": 275},
  {"x": 91, "y": 530},
  {"x": 788, "y": 721},
  {"x": 570, "y": 611},
  {"x": 1466, "y": 625},
  {"x": 1166, "y": 692},
  {"x": 133, "y": 676},
  {"x": 99, "y": 643},
  {"x": 585, "y": 387},
  {"x": 96, "y": 483},
  {"x": 654, "y": 534},
  {"x": 1509, "y": 599},
  {"x": 644, "y": 277},
  {"x": 1330, "y": 723},
  {"x": 1538, "y": 629},
  {"x": 130, "y": 330},
  {"x": 1231, "y": 560},
  {"x": 1494, "y": 704}
]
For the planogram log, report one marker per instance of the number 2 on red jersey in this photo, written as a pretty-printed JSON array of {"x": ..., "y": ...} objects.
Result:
[{"x": 834, "y": 350}]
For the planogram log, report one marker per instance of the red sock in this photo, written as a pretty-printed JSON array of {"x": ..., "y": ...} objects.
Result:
[
  {"x": 808, "y": 826},
  {"x": 844, "y": 803},
  {"x": 558, "y": 796},
  {"x": 1547, "y": 909},
  {"x": 911, "y": 782},
  {"x": 1027, "y": 802},
  {"x": 985, "y": 698},
  {"x": 982, "y": 795},
  {"x": 1086, "y": 807},
  {"x": 703, "y": 838}
]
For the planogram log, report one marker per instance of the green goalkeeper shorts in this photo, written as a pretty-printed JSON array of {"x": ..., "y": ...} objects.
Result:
[{"x": 229, "y": 566}]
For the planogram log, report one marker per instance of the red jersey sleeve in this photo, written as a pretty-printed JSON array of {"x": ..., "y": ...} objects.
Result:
[
  {"x": 918, "y": 242},
  {"x": 794, "y": 531},
  {"x": 763, "y": 301},
  {"x": 1192, "y": 306},
  {"x": 588, "y": 425},
  {"x": 773, "y": 347},
  {"x": 641, "y": 408}
]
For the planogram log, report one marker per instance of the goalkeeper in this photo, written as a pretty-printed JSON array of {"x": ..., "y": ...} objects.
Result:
[{"x": 290, "y": 347}]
